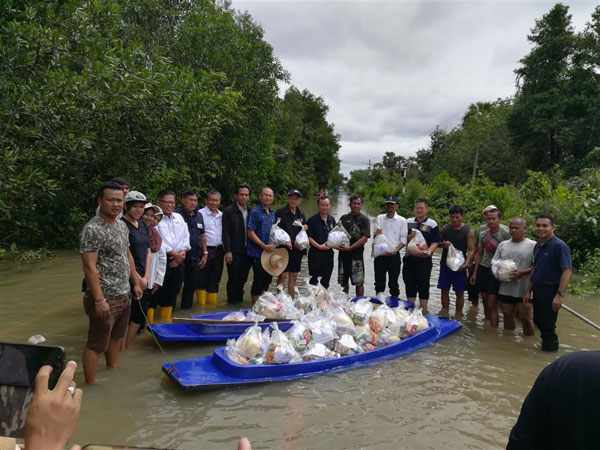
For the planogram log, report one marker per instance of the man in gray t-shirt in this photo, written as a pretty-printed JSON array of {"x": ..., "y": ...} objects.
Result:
[{"x": 520, "y": 250}]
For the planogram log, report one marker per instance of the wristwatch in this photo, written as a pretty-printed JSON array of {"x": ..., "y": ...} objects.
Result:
[{"x": 562, "y": 293}]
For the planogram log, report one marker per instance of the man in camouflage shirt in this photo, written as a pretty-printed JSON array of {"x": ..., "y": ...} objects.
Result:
[{"x": 108, "y": 267}]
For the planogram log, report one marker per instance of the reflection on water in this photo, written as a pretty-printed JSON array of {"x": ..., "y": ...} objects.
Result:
[{"x": 462, "y": 392}]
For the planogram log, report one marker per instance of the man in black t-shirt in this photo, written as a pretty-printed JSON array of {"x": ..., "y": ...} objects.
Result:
[{"x": 351, "y": 265}]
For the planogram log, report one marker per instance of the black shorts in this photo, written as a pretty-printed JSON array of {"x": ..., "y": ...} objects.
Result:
[
  {"x": 486, "y": 281},
  {"x": 295, "y": 260},
  {"x": 510, "y": 300},
  {"x": 416, "y": 274},
  {"x": 139, "y": 308}
]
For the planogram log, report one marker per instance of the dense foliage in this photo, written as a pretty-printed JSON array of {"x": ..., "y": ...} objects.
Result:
[
  {"x": 166, "y": 93},
  {"x": 554, "y": 117}
]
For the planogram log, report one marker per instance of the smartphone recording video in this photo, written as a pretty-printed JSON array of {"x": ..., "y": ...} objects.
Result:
[{"x": 19, "y": 365}]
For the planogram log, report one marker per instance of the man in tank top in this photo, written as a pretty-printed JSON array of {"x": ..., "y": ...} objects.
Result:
[{"x": 462, "y": 238}]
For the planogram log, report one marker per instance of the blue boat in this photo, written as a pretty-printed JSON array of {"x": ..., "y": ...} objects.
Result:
[
  {"x": 215, "y": 332},
  {"x": 218, "y": 372}
]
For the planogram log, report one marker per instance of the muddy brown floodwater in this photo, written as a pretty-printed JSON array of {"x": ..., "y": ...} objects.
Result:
[{"x": 462, "y": 392}]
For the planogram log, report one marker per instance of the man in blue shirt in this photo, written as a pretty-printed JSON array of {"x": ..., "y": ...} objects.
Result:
[
  {"x": 260, "y": 220},
  {"x": 549, "y": 280}
]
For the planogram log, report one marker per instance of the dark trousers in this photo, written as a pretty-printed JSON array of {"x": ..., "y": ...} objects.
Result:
[
  {"x": 472, "y": 289},
  {"x": 544, "y": 317},
  {"x": 387, "y": 266},
  {"x": 320, "y": 265},
  {"x": 261, "y": 280},
  {"x": 167, "y": 294},
  {"x": 190, "y": 283},
  {"x": 210, "y": 274},
  {"x": 237, "y": 273},
  {"x": 416, "y": 275}
]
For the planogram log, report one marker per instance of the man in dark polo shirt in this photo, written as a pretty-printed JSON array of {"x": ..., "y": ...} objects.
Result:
[
  {"x": 351, "y": 264},
  {"x": 197, "y": 256},
  {"x": 549, "y": 280},
  {"x": 416, "y": 271},
  {"x": 320, "y": 257},
  {"x": 235, "y": 220},
  {"x": 260, "y": 220},
  {"x": 287, "y": 216}
]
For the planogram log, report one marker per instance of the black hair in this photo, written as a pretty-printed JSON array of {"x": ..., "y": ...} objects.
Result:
[
  {"x": 242, "y": 186},
  {"x": 323, "y": 197},
  {"x": 213, "y": 192},
  {"x": 356, "y": 197},
  {"x": 456, "y": 209},
  {"x": 165, "y": 192},
  {"x": 188, "y": 192},
  {"x": 120, "y": 181},
  {"x": 495, "y": 211},
  {"x": 421, "y": 200},
  {"x": 545, "y": 216},
  {"x": 108, "y": 185}
]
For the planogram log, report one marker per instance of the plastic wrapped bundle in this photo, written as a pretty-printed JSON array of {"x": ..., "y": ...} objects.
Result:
[
  {"x": 378, "y": 320},
  {"x": 318, "y": 352},
  {"x": 249, "y": 343},
  {"x": 342, "y": 323},
  {"x": 236, "y": 315},
  {"x": 268, "y": 306},
  {"x": 299, "y": 336},
  {"x": 232, "y": 353},
  {"x": 502, "y": 268},
  {"x": 400, "y": 313},
  {"x": 337, "y": 237},
  {"x": 347, "y": 346},
  {"x": 302, "y": 237},
  {"x": 455, "y": 258},
  {"x": 417, "y": 245},
  {"x": 381, "y": 246},
  {"x": 361, "y": 311},
  {"x": 280, "y": 349},
  {"x": 278, "y": 236}
]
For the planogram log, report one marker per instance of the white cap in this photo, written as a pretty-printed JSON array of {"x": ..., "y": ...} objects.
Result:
[{"x": 135, "y": 196}]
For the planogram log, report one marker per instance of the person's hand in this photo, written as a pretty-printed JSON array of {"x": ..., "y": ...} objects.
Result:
[
  {"x": 143, "y": 283},
  {"x": 288, "y": 245},
  {"x": 137, "y": 291},
  {"x": 269, "y": 248},
  {"x": 445, "y": 244},
  {"x": 515, "y": 274},
  {"x": 343, "y": 248},
  {"x": 203, "y": 261},
  {"x": 473, "y": 279},
  {"x": 155, "y": 287},
  {"x": 305, "y": 226},
  {"x": 526, "y": 297},
  {"x": 556, "y": 303},
  {"x": 378, "y": 232},
  {"x": 102, "y": 310},
  {"x": 323, "y": 247},
  {"x": 463, "y": 267},
  {"x": 174, "y": 262},
  {"x": 228, "y": 258},
  {"x": 53, "y": 414}
]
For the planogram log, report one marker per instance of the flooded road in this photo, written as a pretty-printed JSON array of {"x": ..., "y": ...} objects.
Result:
[{"x": 462, "y": 392}]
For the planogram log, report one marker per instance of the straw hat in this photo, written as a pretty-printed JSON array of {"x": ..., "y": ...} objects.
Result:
[{"x": 275, "y": 262}]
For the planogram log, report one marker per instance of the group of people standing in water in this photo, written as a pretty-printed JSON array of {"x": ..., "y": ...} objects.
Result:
[{"x": 184, "y": 249}]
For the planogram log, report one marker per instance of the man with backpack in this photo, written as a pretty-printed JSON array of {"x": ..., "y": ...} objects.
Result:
[{"x": 487, "y": 243}]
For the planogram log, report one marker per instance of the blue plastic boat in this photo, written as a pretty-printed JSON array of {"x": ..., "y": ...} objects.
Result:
[
  {"x": 200, "y": 332},
  {"x": 217, "y": 371}
]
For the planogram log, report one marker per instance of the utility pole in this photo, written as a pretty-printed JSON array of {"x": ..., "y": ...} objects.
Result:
[
  {"x": 475, "y": 164},
  {"x": 403, "y": 169}
]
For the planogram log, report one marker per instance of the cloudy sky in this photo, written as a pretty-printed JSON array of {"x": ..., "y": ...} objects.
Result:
[{"x": 391, "y": 71}]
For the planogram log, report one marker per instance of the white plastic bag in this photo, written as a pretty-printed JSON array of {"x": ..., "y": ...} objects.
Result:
[
  {"x": 268, "y": 306},
  {"x": 502, "y": 268},
  {"x": 236, "y": 315},
  {"x": 455, "y": 258},
  {"x": 381, "y": 246},
  {"x": 361, "y": 311},
  {"x": 250, "y": 342},
  {"x": 347, "y": 346},
  {"x": 299, "y": 336},
  {"x": 318, "y": 352},
  {"x": 278, "y": 236},
  {"x": 280, "y": 349},
  {"x": 337, "y": 237},
  {"x": 417, "y": 244},
  {"x": 302, "y": 237}
]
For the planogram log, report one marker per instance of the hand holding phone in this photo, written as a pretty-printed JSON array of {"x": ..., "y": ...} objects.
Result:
[{"x": 53, "y": 414}]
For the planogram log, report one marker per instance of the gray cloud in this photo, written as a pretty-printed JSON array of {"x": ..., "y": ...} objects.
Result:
[{"x": 391, "y": 71}]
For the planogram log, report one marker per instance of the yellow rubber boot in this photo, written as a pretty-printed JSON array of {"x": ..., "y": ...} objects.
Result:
[
  {"x": 201, "y": 296},
  {"x": 164, "y": 313},
  {"x": 150, "y": 315},
  {"x": 212, "y": 298}
]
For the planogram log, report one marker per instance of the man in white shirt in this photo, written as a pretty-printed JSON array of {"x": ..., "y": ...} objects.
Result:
[
  {"x": 394, "y": 230},
  {"x": 176, "y": 240},
  {"x": 210, "y": 274}
]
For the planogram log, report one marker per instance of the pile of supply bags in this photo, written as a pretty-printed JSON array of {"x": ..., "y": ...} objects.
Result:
[{"x": 325, "y": 325}]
